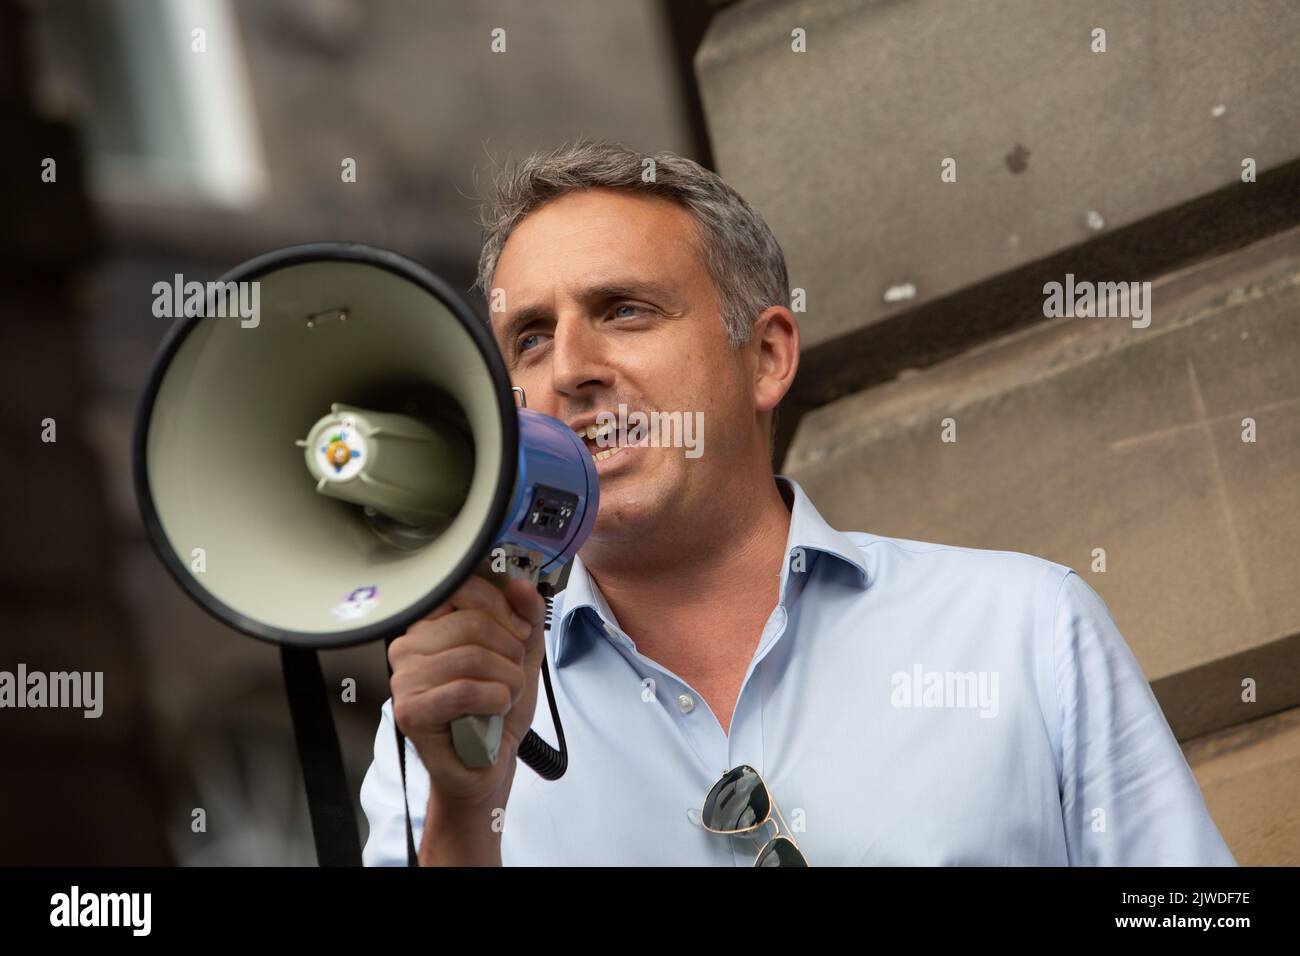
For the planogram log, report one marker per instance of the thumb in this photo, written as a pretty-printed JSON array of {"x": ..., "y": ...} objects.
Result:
[
  {"x": 530, "y": 605},
  {"x": 526, "y": 601}
]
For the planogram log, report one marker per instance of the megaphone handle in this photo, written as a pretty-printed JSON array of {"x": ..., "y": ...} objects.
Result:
[{"x": 477, "y": 737}]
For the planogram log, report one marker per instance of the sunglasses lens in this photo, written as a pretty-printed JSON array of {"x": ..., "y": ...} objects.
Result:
[
  {"x": 781, "y": 852},
  {"x": 737, "y": 802}
]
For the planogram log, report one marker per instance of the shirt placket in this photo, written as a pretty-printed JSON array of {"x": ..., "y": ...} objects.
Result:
[
  {"x": 745, "y": 745},
  {"x": 688, "y": 711}
]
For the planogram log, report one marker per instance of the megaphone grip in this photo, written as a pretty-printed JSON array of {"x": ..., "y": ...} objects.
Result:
[{"x": 477, "y": 737}]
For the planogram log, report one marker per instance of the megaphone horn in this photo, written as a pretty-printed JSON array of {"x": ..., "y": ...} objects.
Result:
[{"x": 332, "y": 471}]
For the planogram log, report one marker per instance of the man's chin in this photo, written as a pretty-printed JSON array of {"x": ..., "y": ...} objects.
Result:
[
  {"x": 624, "y": 511},
  {"x": 638, "y": 500}
]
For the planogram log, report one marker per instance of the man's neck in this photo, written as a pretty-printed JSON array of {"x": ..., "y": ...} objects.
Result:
[{"x": 723, "y": 569}]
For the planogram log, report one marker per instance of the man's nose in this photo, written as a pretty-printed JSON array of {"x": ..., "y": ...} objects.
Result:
[{"x": 578, "y": 356}]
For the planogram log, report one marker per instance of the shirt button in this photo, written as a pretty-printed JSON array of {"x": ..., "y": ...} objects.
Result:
[
  {"x": 693, "y": 814},
  {"x": 685, "y": 703}
]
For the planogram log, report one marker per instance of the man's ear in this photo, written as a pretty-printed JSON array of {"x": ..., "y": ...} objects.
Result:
[{"x": 775, "y": 345}]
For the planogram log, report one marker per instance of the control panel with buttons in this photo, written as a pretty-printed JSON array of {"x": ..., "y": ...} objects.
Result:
[{"x": 550, "y": 513}]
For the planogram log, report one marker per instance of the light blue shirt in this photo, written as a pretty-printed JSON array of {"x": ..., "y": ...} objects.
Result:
[{"x": 906, "y": 704}]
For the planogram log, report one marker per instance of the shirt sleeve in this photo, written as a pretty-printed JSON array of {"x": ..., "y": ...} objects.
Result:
[
  {"x": 381, "y": 797},
  {"x": 1128, "y": 797}
]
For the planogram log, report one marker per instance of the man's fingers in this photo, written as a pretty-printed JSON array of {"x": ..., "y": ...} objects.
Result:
[
  {"x": 484, "y": 614},
  {"x": 473, "y": 626},
  {"x": 482, "y": 595},
  {"x": 431, "y": 710},
  {"x": 467, "y": 662},
  {"x": 442, "y": 610}
]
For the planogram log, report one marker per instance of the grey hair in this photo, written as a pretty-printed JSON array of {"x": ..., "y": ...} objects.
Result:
[{"x": 741, "y": 254}]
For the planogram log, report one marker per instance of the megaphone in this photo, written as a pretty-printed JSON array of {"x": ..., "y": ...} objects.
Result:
[{"x": 330, "y": 472}]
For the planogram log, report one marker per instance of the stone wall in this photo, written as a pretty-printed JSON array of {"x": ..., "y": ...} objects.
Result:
[{"x": 937, "y": 400}]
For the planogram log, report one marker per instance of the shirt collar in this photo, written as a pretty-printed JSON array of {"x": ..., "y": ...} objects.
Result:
[{"x": 808, "y": 531}]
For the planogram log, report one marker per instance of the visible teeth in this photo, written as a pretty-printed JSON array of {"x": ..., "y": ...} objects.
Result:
[
  {"x": 601, "y": 455},
  {"x": 595, "y": 431}
]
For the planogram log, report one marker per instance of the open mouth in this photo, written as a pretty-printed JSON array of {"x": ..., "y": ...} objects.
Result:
[{"x": 593, "y": 434}]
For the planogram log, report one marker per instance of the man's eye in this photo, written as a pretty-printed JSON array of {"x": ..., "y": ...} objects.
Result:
[
  {"x": 522, "y": 346},
  {"x": 626, "y": 305}
]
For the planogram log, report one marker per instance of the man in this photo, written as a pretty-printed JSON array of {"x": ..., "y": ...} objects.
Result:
[{"x": 905, "y": 703}]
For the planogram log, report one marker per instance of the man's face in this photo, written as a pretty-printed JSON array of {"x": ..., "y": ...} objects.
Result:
[{"x": 607, "y": 301}]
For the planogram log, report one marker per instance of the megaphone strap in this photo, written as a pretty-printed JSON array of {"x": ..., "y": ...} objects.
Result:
[{"x": 333, "y": 819}]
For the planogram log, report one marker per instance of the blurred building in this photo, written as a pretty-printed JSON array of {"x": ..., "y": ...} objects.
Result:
[{"x": 180, "y": 159}]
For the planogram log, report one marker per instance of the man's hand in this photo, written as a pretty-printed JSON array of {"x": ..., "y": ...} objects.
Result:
[{"x": 479, "y": 653}]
